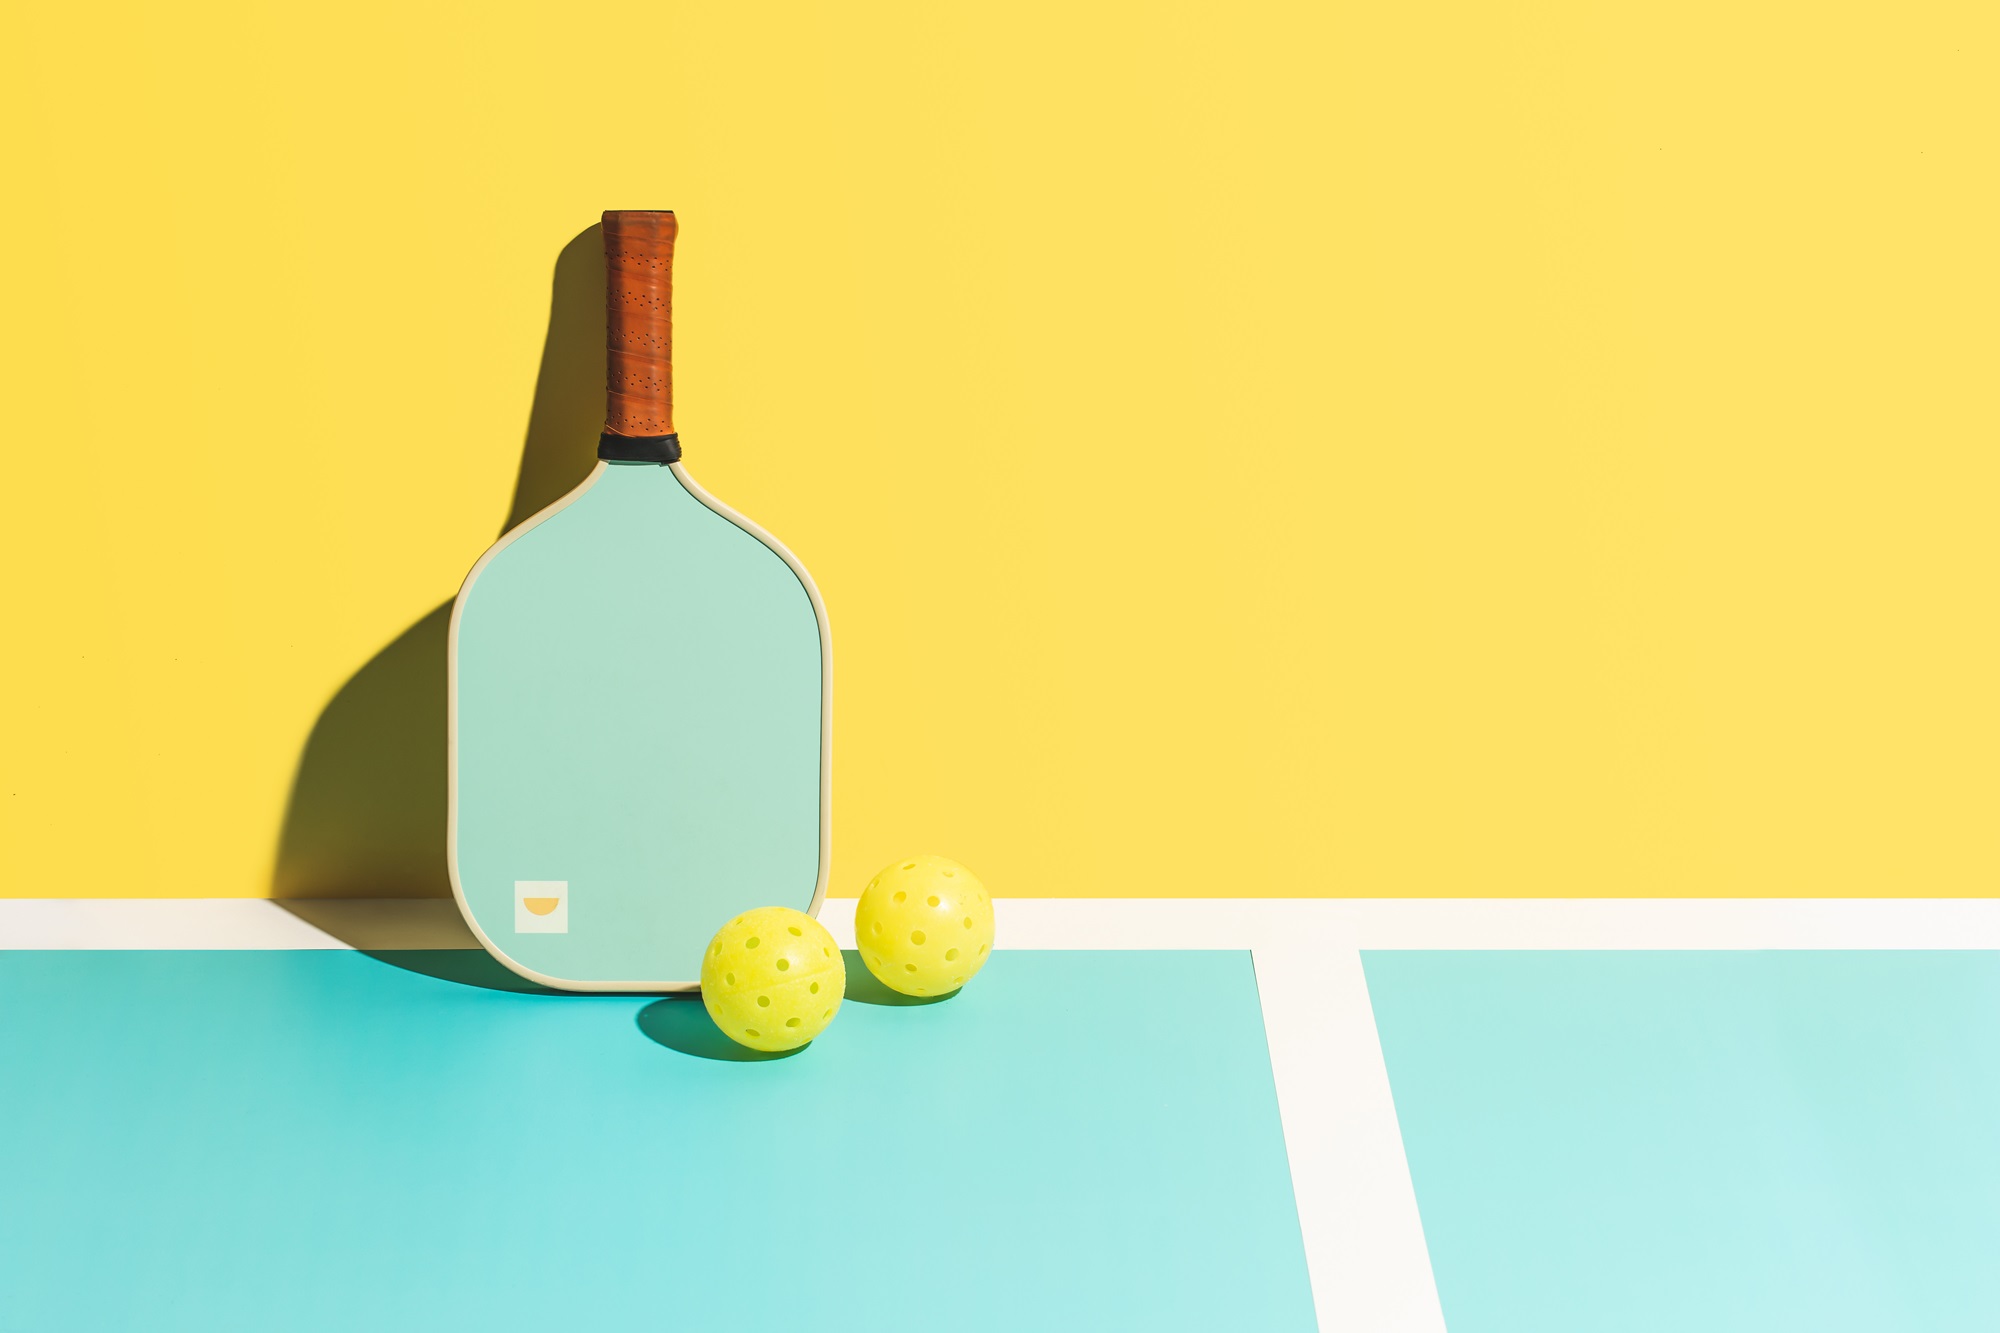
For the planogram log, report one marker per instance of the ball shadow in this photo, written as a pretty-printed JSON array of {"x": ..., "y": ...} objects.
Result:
[
  {"x": 864, "y": 988},
  {"x": 681, "y": 1023}
]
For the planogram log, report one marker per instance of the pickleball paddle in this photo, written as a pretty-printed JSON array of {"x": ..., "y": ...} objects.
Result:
[{"x": 640, "y": 689}]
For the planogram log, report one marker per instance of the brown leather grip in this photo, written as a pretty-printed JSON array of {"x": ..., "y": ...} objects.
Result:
[{"x": 639, "y": 330}]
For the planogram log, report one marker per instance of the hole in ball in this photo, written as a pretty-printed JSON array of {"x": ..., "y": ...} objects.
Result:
[
  {"x": 916, "y": 937},
  {"x": 932, "y": 900},
  {"x": 950, "y": 954},
  {"x": 752, "y": 942},
  {"x": 784, "y": 964},
  {"x": 763, "y": 1002}
]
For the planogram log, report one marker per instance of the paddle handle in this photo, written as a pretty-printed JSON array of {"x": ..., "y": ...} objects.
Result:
[{"x": 638, "y": 324}]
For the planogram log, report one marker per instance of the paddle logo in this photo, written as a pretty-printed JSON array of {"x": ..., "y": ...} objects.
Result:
[{"x": 541, "y": 907}]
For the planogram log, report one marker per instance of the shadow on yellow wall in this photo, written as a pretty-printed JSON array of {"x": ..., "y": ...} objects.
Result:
[{"x": 366, "y": 816}]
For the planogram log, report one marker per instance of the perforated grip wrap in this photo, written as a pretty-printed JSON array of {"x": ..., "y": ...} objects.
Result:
[{"x": 639, "y": 331}]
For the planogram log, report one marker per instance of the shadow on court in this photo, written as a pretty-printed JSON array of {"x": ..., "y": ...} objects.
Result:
[
  {"x": 466, "y": 967},
  {"x": 425, "y": 936},
  {"x": 863, "y": 988},
  {"x": 681, "y": 1023},
  {"x": 366, "y": 815}
]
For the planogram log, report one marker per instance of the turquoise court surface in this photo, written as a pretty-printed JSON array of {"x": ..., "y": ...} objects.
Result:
[
  {"x": 1694, "y": 1140},
  {"x": 325, "y": 1140}
]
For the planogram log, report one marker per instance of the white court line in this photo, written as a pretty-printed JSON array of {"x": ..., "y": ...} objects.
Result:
[
  {"x": 1100, "y": 923},
  {"x": 1357, "y": 1209},
  {"x": 157, "y": 923}
]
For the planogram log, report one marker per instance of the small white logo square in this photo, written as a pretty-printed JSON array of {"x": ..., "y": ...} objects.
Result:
[{"x": 541, "y": 907}]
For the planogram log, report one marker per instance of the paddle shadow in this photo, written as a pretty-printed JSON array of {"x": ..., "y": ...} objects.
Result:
[
  {"x": 366, "y": 814},
  {"x": 367, "y": 810},
  {"x": 682, "y": 1023},
  {"x": 465, "y": 967},
  {"x": 417, "y": 935}
]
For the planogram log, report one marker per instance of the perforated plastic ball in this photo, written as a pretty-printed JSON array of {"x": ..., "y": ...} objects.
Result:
[
  {"x": 772, "y": 979},
  {"x": 925, "y": 926}
]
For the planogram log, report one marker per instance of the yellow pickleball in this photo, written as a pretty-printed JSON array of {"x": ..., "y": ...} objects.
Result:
[
  {"x": 772, "y": 979},
  {"x": 925, "y": 925}
]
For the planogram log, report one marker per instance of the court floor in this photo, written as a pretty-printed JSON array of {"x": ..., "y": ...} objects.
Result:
[{"x": 1498, "y": 1114}]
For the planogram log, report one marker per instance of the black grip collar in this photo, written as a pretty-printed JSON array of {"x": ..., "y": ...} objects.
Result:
[{"x": 661, "y": 449}]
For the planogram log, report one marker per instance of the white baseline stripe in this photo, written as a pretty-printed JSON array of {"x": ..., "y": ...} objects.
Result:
[
  {"x": 156, "y": 923},
  {"x": 1096, "y": 923}
]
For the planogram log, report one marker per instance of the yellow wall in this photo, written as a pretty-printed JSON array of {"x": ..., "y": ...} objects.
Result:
[{"x": 1246, "y": 448}]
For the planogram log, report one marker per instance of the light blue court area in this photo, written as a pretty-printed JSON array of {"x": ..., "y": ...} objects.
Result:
[
  {"x": 1714, "y": 1141},
  {"x": 333, "y": 1141}
]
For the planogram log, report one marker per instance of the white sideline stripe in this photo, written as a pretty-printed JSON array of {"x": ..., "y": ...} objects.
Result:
[{"x": 1364, "y": 1241}]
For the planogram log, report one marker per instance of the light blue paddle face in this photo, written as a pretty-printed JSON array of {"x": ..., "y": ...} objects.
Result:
[{"x": 638, "y": 686}]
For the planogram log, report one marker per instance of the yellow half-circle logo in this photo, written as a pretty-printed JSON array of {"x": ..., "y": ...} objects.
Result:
[{"x": 540, "y": 906}]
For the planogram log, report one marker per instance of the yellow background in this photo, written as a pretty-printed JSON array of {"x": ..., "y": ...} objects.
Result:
[{"x": 1266, "y": 449}]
